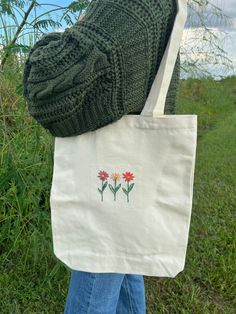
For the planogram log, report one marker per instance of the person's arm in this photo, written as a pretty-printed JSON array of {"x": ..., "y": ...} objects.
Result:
[
  {"x": 43, "y": 41},
  {"x": 171, "y": 97},
  {"x": 59, "y": 73}
]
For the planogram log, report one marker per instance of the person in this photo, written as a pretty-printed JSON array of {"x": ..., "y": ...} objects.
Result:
[{"x": 86, "y": 77}]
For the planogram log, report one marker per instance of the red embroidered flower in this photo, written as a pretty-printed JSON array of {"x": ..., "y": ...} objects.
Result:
[
  {"x": 103, "y": 175},
  {"x": 128, "y": 176}
]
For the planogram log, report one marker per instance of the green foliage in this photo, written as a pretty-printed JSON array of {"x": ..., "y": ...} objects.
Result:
[
  {"x": 46, "y": 23},
  {"x": 207, "y": 284},
  {"x": 16, "y": 48},
  {"x": 24, "y": 29},
  {"x": 33, "y": 280},
  {"x": 7, "y": 5}
]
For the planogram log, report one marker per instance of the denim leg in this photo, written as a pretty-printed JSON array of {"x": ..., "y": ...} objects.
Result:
[
  {"x": 93, "y": 293},
  {"x": 132, "y": 295}
]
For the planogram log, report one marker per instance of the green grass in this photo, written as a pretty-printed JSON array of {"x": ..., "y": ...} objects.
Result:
[
  {"x": 208, "y": 283},
  {"x": 32, "y": 280}
]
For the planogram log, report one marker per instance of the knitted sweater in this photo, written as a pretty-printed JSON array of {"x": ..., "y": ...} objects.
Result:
[{"x": 101, "y": 68}]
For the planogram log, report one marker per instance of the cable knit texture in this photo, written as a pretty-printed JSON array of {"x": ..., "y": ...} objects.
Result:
[{"x": 101, "y": 68}]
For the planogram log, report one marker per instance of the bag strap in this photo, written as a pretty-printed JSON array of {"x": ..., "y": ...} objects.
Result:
[{"x": 155, "y": 102}]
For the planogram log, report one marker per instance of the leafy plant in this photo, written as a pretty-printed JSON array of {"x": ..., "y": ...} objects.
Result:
[
  {"x": 10, "y": 40},
  {"x": 203, "y": 42}
]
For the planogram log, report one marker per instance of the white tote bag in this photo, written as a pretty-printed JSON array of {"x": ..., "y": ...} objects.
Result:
[{"x": 121, "y": 196}]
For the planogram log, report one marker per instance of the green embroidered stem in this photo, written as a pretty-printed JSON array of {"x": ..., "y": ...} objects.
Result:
[
  {"x": 128, "y": 191},
  {"x": 115, "y": 191},
  {"x": 102, "y": 192}
]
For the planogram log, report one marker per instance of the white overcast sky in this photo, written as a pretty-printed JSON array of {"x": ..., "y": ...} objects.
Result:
[
  {"x": 229, "y": 7},
  {"x": 224, "y": 29}
]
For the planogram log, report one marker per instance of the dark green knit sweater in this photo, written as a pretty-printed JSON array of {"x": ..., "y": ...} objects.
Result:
[{"x": 100, "y": 68}]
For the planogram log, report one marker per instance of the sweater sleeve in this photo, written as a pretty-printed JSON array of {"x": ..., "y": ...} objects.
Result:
[
  {"x": 171, "y": 97},
  {"x": 42, "y": 42},
  {"x": 170, "y": 103}
]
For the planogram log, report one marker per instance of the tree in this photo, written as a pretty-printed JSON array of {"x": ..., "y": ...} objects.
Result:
[
  {"x": 13, "y": 8},
  {"x": 204, "y": 37}
]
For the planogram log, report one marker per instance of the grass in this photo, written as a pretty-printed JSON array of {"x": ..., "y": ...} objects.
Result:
[
  {"x": 32, "y": 280},
  {"x": 207, "y": 284}
]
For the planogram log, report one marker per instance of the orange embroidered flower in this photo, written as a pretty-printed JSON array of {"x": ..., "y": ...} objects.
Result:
[
  {"x": 103, "y": 175},
  {"x": 115, "y": 176},
  {"x": 128, "y": 176}
]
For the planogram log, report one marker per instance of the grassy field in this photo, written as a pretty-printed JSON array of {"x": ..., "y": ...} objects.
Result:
[{"x": 32, "y": 280}]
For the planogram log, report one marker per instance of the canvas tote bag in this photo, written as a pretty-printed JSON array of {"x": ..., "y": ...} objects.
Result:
[{"x": 121, "y": 195}]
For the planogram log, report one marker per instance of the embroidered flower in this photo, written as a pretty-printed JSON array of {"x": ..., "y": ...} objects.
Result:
[
  {"x": 103, "y": 175},
  {"x": 128, "y": 176},
  {"x": 115, "y": 177}
]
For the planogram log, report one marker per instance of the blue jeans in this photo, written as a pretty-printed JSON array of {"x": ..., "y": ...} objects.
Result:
[{"x": 105, "y": 293}]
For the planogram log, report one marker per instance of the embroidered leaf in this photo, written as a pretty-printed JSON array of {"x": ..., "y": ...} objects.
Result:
[
  {"x": 124, "y": 190},
  {"x": 130, "y": 187},
  {"x": 117, "y": 188},
  {"x": 104, "y": 186},
  {"x": 100, "y": 190},
  {"x": 111, "y": 188}
]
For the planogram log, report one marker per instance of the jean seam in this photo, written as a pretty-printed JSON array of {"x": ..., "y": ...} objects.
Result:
[
  {"x": 91, "y": 290},
  {"x": 128, "y": 295}
]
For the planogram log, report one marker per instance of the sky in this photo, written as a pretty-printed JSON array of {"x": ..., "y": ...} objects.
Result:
[
  {"x": 229, "y": 7},
  {"x": 224, "y": 28}
]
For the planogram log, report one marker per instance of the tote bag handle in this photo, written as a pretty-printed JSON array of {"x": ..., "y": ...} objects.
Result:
[{"x": 155, "y": 102}]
